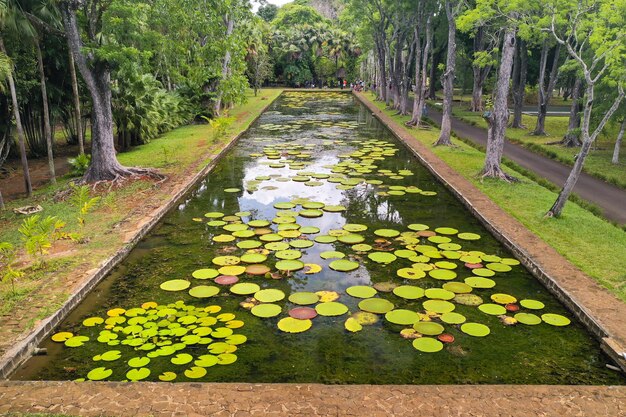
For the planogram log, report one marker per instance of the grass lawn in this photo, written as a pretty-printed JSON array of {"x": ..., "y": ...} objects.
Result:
[
  {"x": 178, "y": 154},
  {"x": 598, "y": 161},
  {"x": 592, "y": 244}
]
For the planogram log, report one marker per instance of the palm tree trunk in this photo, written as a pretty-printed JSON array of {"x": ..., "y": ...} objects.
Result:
[
  {"x": 20, "y": 130},
  {"x": 46, "y": 112},
  {"x": 77, "y": 116}
]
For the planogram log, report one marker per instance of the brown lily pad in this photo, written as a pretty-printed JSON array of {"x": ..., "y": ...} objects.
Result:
[{"x": 303, "y": 313}]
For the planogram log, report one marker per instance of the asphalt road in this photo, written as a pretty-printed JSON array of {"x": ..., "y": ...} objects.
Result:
[{"x": 610, "y": 198}]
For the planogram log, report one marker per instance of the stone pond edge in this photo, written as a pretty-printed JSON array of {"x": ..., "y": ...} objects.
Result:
[
  {"x": 24, "y": 349},
  {"x": 584, "y": 314}
]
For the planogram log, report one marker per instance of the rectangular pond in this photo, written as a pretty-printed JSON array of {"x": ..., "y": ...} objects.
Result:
[{"x": 319, "y": 211}]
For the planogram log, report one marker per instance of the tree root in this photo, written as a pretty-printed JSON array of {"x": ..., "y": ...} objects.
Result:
[{"x": 497, "y": 173}]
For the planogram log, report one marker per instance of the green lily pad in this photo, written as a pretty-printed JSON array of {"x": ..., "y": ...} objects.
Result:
[
  {"x": 439, "y": 294},
  {"x": 253, "y": 258},
  {"x": 386, "y": 233},
  {"x": 410, "y": 273},
  {"x": 382, "y": 257},
  {"x": 361, "y": 291},
  {"x": 528, "y": 318},
  {"x": 226, "y": 358},
  {"x": 376, "y": 305},
  {"x": 429, "y": 328},
  {"x": 207, "y": 273},
  {"x": 167, "y": 376},
  {"x": 138, "y": 362},
  {"x": 311, "y": 213},
  {"x": 479, "y": 282},
  {"x": 137, "y": 374},
  {"x": 453, "y": 318},
  {"x": 206, "y": 361},
  {"x": 214, "y": 215},
  {"x": 266, "y": 310},
  {"x": 509, "y": 261},
  {"x": 98, "y": 374},
  {"x": 204, "y": 291},
  {"x": 289, "y": 265},
  {"x": 269, "y": 295},
  {"x": 457, "y": 287},
  {"x": 334, "y": 209},
  {"x": 438, "y": 306},
  {"x": 468, "y": 236},
  {"x": 277, "y": 246},
  {"x": 76, "y": 341},
  {"x": 226, "y": 260},
  {"x": 175, "y": 285},
  {"x": 111, "y": 355},
  {"x": 325, "y": 239},
  {"x": 351, "y": 239},
  {"x": 555, "y": 319},
  {"x": 331, "y": 308},
  {"x": 195, "y": 372},
  {"x": 232, "y": 190},
  {"x": 332, "y": 254},
  {"x": 446, "y": 231},
  {"x": 309, "y": 230},
  {"x": 258, "y": 223},
  {"x": 244, "y": 288},
  {"x": 61, "y": 336},
  {"x": 93, "y": 321},
  {"x": 532, "y": 304},
  {"x": 284, "y": 206},
  {"x": 492, "y": 309},
  {"x": 442, "y": 274},
  {"x": 304, "y": 298},
  {"x": 352, "y": 325},
  {"x": 301, "y": 244},
  {"x": 181, "y": 359},
  {"x": 288, "y": 254},
  {"x": 354, "y": 227},
  {"x": 291, "y": 325},
  {"x": 343, "y": 265},
  {"x": 483, "y": 272},
  {"x": 403, "y": 317},
  {"x": 417, "y": 227},
  {"x": 409, "y": 292},
  {"x": 361, "y": 247},
  {"x": 475, "y": 329},
  {"x": 427, "y": 344}
]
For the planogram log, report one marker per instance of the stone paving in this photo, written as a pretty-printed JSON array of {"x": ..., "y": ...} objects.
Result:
[{"x": 195, "y": 399}]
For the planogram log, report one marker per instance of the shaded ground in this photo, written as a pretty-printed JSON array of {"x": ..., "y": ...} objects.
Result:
[{"x": 610, "y": 198}]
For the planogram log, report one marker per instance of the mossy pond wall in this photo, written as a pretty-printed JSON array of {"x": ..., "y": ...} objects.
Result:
[{"x": 320, "y": 250}]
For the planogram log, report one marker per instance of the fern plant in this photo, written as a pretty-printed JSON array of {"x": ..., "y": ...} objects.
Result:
[
  {"x": 79, "y": 165},
  {"x": 38, "y": 234},
  {"x": 8, "y": 254},
  {"x": 82, "y": 200}
]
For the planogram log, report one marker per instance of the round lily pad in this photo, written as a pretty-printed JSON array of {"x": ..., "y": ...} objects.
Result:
[
  {"x": 291, "y": 325},
  {"x": 492, "y": 309},
  {"x": 352, "y": 325},
  {"x": 442, "y": 274},
  {"x": 91, "y": 321},
  {"x": 244, "y": 288},
  {"x": 284, "y": 206},
  {"x": 195, "y": 372},
  {"x": 555, "y": 319},
  {"x": 376, "y": 305},
  {"x": 479, "y": 282},
  {"x": 453, "y": 318},
  {"x": 111, "y": 355},
  {"x": 304, "y": 298},
  {"x": 343, "y": 265},
  {"x": 257, "y": 269},
  {"x": 138, "y": 362},
  {"x": 402, "y": 316},
  {"x": 503, "y": 298},
  {"x": 327, "y": 296},
  {"x": 409, "y": 292},
  {"x": 498, "y": 267},
  {"x": 457, "y": 287},
  {"x": 427, "y": 344},
  {"x": 214, "y": 215},
  {"x": 325, "y": 239},
  {"x": 361, "y": 291},
  {"x": 354, "y": 227},
  {"x": 226, "y": 260},
  {"x": 361, "y": 247},
  {"x": 258, "y": 223},
  {"x": 417, "y": 227},
  {"x": 429, "y": 328},
  {"x": 528, "y": 318},
  {"x": 232, "y": 270},
  {"x": 468, "y": 299},
  {"x": 98, "y": 374},
  {"x": 332, "y": 254},
  {"x": 207, "y": 273},
  {"x": 266, "y": 310},
  {"x": 438, "y": 306},
  {"x": 475, "y": 329},
  {"x": 167, "y": 376},
  {"x": 331, "y": 308},
  {"x": 385, "y": 286},
  {"x": 309, "y": 230},
  {"x": 231, "y": 190},
  {"x": 483, "y": 272},
  {"x": 386, "y": 232},
  {"x": 410, "y": 273},
  {"x": 61, "y": 336},
  {"x": 137, "y": 374},
  {"x": 76, "y": 341},
  {"x": 288, "y": 254},
  {"x": 301, "y": 244},
  {"x": 439, "y": 294},
  {"x": 532, "y": 304},
  {"x": 175, "y": 285},
  {"x": 253, "y": 258},
  {"x": 468, "y": 236},
  {"x": 334, "y": 209},
  {"x": 446, "y": 231},
  {"x": 269, "y": 295},
  {"x": 226, "y": 280},
  {"x": 289, "y": 265},
  {"x": 382, "y": 257},
  {"x": 303, "y": 313},
  {"x": 311, "y": 213},
  {"x": 204, "y": 291},
  {"x": 226, "y": 358}
]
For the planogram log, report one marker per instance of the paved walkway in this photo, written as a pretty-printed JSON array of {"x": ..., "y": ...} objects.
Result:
[
  {"x": 194, "y": 399},
  {"x": 610, "y": 198}
]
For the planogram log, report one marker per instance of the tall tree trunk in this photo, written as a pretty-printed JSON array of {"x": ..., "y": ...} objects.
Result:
[
  {"x": 20, "y": 129},
  {"x": 104, "y": 164},
  {"x": 76, "y": 96},
  {"x": 448, "y": 79},
  {"x": 618, "y": 143},
  {"x": 545, "y": 89},
  {"x": 46, "y": 112},
  {"x": 432, "y": 85},
  {"x": 588, "y": 140},
  {"x": 420, "y": 79},
  {"x": 572, "y": 137},
  {"x": 2, "y": 207},
  {"x": 230, "y": 25},
  {"x": 498, "y": 119},
  {"x": 519, "y": 83},
  {"x": 480, "y": 73}
]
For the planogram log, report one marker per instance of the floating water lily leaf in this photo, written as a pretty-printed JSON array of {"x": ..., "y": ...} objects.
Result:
[
  {"x": 111, "y": 355},
  {"x": 483, "y": 272},
  {"x": 311, "y": 213},
  {"x": 301, "y": 244},
  {"x": 331, "y": 308},
  {"x": 468, "y": 236},
  {"x": 361, "y": 247},
  {"x": 376, "y": 305},
  {"x": 175, "y": 285},
  {"x": 332, "y": 254},
  {"x": 475, "y": 329},
  {"x": 244, "y": 288},
  {"x": 352, "y": 325},
  {"x": 468, "y": 299},
  {"x": 386, "y": 232},
  {"x": 354, "y": 227},
  {"x": 214, "y": 215},
  {"x": 276, "y": 246},
  {"x": 309, "y": 230},
  {"x": 232, "y": 270},
  {"x": 98, "y": 374},
  {"x": 288, "y": 254},
  {"x": 385, "y": 286},
  {"x": 289, "y": 265},
  {"x": 439, "y": 294},
  {"x": 253, "y": 258},
  {"x": 503, "y": 298},
  {"x": 226, "y": 280},
  {"x": 528, "y": 318},
  {"x": 257, "y": 269},
  {"x": 478, "y": 282},
  {"x": 492, "y": 309},
  {"x": 334, "y": 209},
  {"x": 453, "y": 318},
  {"x": 226, "y": 260},
  {"x": 410, "y": 273},
  {"x": 327, "y": 296},
  {"x": 76, "y": 341},
  {"x": 361, "y": 291},
  {"x": 417, "y": 227},
  {"x": 428, "y": 328},
  {"x": 138, "y": 374},
  {"x": 343, "y": 265},
  {"x": 226, "y": 358},
  {"x": 61, "y": 336},
  {"x": 269, "y": 295},
  {"x": 382, "y": 257},
  {"x": 402, "y": 316},
  {"x": 427, "y": 344},
  {"x": 509, "y": 261},
  {"x": 284, "y": 206},
  {"x": 553, "y": 319},
  {"x": 325, "y": 239},
  {"x": 266, "y": 310},
  {"x": 498, "y": 267},
  {"x": 195, "y": 372},
  {"x": 204, "y": 291},
  {"x": 303, "y": 313},
  {"x": 532, "y": 304},
  {"x": 351, "y": 238},
  {"x": 231, "y": 190},
  {"x": 291, "y": 325},
  {"x": 89, "y": 322},
  {"x": 446, "y": 231},
  {"x": 438, "y": 306},
  {"x": 442, "y": 274},
  {"x": 167, "y": 376},
  {"x": 138, "y": 362},
  {"x": 258, "y": 223},
  {"x": 304, "y": 298},
  {"x": 207, "y": 273}
]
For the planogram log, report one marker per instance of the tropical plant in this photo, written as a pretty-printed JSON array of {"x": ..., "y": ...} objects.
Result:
[
  {"x": 8, "y": 254},
  {"x": 38, "y": 235},
  {"x": 83, "y": 202},
  {"x": 79, "y": 165}
]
